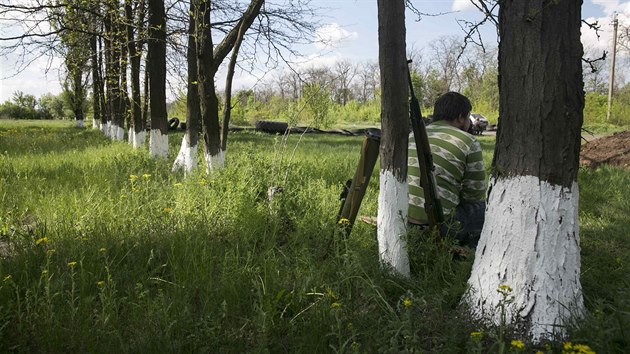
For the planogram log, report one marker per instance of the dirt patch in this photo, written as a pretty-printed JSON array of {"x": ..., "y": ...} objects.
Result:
[{"x": 613, "y": 150}]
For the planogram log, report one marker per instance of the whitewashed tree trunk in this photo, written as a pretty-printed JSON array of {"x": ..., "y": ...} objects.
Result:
[
  {"x": 80, "y": 123},
  {"x": 530, "y": 239},
  {"x": 393, "y": 198},
  {"x": 187, "y": 156},
  {"x": 391, "y": 221},
  {"x": 96, "y": 124},
  {"x": 530, "y": 242},
  {"x": 214, "y": 162},
  {"x": 158, "y": 144},
  {"x": 137, "y": 139},
  {"x": 117, "y": 132}
]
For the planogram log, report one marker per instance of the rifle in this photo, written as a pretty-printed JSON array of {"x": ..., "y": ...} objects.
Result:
[
  {"x": 354, "y": 189},
  {"x": 432, "y": 204}
]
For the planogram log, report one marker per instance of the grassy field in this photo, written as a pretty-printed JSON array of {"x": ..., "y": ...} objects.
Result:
[{"x": 105, "y": 250}]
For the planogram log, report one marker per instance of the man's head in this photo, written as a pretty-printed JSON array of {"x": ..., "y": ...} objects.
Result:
[{"x": 454, "y": 108}]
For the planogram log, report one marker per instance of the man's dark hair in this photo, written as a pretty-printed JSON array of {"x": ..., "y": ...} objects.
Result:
[{"x": 450, "y": 106}]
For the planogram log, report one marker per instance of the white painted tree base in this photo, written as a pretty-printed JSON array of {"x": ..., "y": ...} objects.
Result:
[
  {"x": 530, "y": 242},
  {"x": 105, "y": 129},
  {"x": 96, "y": 124},
  {"x": 214, "y": 162},
  {"x": 118, "y": 133},
  {"x": 80, "y": 123},
  {"x": 158, "y": 144},
  {"x": 186, "y": 158},
  {"x": 392, "y": 222},
  {"x": 138, "y": 139}
]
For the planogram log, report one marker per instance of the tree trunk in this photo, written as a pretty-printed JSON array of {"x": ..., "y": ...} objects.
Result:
[
  {"x": 137, "y": 134},
  {"x": 392, "y": 199},
  {"x": 187, "y": 157},
  {"x": 530, "y": 240},
  {"x": 96, "y": 103},
  {"x": 158, "y": 143},
  {"x": 228, "y": 87},
  {"x": 208, "y": 99}
]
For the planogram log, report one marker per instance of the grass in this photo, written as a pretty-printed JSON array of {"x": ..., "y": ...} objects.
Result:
[{"x": 207, "y": 264}]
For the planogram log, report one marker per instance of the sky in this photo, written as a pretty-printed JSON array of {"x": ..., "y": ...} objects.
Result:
[{"x": 349, "y": 27}]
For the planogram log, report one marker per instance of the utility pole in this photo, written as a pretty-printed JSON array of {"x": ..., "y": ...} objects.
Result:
[{"x": 611, "y": 81}]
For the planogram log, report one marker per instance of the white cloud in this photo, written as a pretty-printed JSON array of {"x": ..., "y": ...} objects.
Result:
[
  {"x": 589, "y": 36},
  {"x": 461, "y": 5},
  {"x": 331, "y": 35}
]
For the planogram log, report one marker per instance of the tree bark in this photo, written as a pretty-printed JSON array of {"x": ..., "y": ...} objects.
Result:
[
  {"x": 392, "y": 200},
  {"x": 187, "y": 157},
  {"x": 96, "y": 103},
  {"x": 227, "y": 110},
  {"x": 137, "y": 134},
  {"x": 158, "y": 143},
  {"x": 208, "y": 99},
  {"x": 530, "y": 240}
]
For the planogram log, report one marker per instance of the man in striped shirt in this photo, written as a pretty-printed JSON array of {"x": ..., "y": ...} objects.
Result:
[{"x": 459, "y": 171}]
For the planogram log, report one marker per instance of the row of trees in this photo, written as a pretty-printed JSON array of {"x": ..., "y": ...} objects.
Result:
[
  {"x": 105, "y": 43},
  {"x": 26, "y": 106}
]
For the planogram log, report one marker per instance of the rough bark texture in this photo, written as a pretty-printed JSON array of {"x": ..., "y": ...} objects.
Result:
[
  {"x": 208, "y": 99},
  {"x": 530, "y": 239},
  {"x": 392, "y": 214},
  {"x": 187, "y": 156},
  {"x": 157, "y": 74},
  {"x": 541, "y": 90},
  {"x": 136, "y": 129}
]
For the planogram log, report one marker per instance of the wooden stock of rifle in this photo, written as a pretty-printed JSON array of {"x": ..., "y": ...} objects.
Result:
[{"x": 432, "y": 204}]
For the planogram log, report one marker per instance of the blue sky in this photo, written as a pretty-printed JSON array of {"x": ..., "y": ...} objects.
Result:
[{"x": 351, "y": 25}]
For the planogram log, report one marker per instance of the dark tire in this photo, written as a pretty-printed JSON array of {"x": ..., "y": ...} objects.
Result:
[
  {"x": 182, "y": 125},
  {"x": 173, "y": 123},
  {"x": 271, "y": 127}
]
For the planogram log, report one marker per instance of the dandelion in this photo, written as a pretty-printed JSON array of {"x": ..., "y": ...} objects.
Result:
[
  {"x": 202, "y": 183},
  {"x": 146, "y": 176},
  {"x": 41, "y": 240},
  {"x": 100, "y": 283},
  {"x": 505, "y": 287},
  {"x": 133, "y": 177},
  {"x": 343, "y": 221},
  {"x": 476, "y": 335},
  {"x": 335, "y": 305},
  {"x": 178, "y": 184},
  {"x": 570, "y": 348},
  {"x": 7, "y": 278},
  {"x": 407, "y": 303},
  {"x": 50, "y": 252},
  {"x": 72, "y": 264},
  {"x": 167, "y": 210},
  {"x": 518, "y": 344}
]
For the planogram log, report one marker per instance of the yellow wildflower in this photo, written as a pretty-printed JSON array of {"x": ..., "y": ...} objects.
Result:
[
  {"x": 178, "y": 184},
  {"x": 41, "y": 240},
  {"x": 407, "y": 303},
  {"x": 7, "y": 278},
  {"x": 518, "y": 344},
  {"x": 100, "y": 283},
  {"x": 167, "y": 210},
  {"x": 202, "y": 183},
  {"x": 133, "y": 177},
  {"x": 343, "y": 221},
  {"x": 476, "y": 335},
  {"x": 50, "y": 252},
  {"x": 146, "y": 176},
  {"x": 72, "y": 264},
  {"x": 505, "y": 287},
  {"x": 335, "y": 305}
]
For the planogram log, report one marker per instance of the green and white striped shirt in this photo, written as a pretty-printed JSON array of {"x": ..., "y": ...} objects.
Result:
[{"x": 459, "y": 170}]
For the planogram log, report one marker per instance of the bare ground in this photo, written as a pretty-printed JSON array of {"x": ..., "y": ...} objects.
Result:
[{"x": 613, "y": 150}]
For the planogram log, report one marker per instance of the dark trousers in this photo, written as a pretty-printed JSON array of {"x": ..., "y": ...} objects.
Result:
[{"x": 465, "y": 226}]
